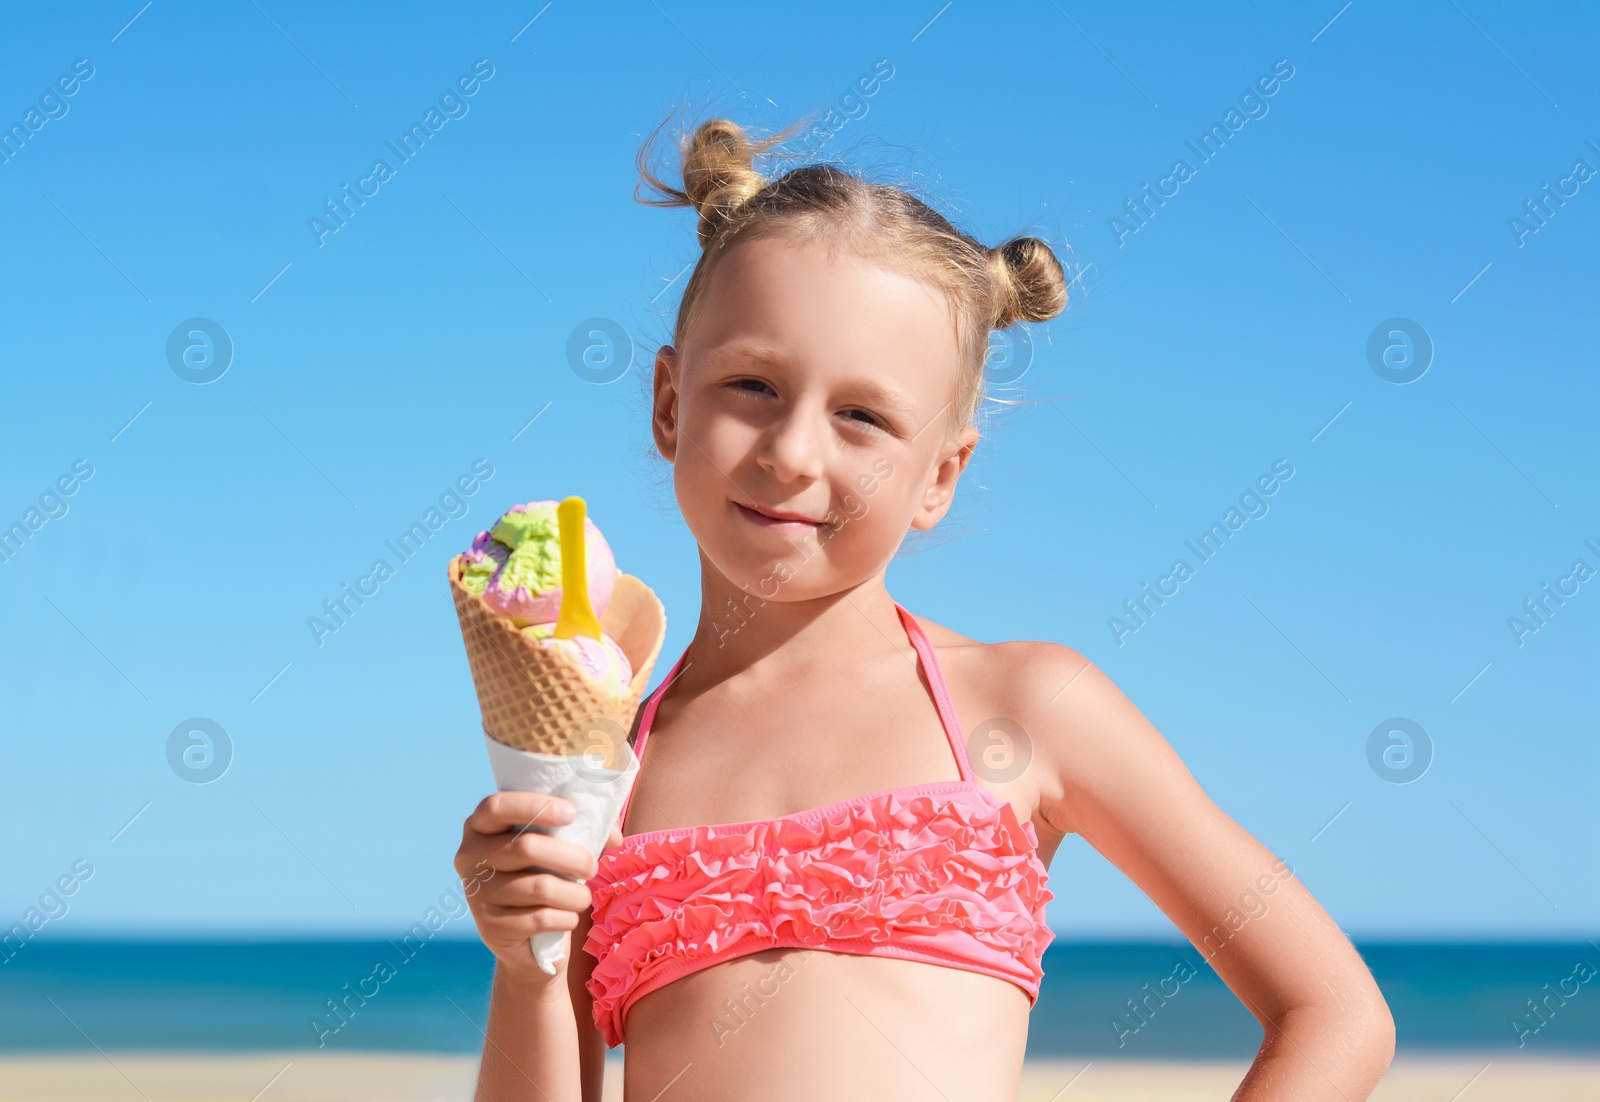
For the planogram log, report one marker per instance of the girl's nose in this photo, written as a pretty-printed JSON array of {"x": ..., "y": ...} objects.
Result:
[{"x": 793, "y": 447}]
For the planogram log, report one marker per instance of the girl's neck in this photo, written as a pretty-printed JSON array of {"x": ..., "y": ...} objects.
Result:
[{"x": 779, "y": 640}]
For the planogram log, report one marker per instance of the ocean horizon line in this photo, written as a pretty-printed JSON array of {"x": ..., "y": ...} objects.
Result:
[{"x": 1146, "y": 999}]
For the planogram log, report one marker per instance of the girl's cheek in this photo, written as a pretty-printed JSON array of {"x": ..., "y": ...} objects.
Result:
[{"x": 695, "y": 470}]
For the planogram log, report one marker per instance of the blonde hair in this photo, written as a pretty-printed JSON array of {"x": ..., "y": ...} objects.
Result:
[{"x": 987, "y": 288}]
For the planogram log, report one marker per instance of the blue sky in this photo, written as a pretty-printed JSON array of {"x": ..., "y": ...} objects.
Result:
[{"x": 1224, "y": 331}]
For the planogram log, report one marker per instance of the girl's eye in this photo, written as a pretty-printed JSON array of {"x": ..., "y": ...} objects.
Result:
[{"x": 861, "y": 416}]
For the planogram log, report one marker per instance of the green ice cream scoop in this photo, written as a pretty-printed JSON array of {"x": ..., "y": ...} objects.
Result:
[{"x": 516, "y": 564}]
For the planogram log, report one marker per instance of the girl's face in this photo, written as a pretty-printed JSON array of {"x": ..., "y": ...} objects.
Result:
[{"x": 813, "y": 386}]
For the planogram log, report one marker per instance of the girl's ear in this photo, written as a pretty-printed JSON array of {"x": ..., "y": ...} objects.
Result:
[
  {"x": 942, "y": 489},
  {"x": 664, "y": 414}
]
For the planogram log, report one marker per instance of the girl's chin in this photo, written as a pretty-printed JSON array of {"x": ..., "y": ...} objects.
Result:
[{"x": 764, "y": 576}]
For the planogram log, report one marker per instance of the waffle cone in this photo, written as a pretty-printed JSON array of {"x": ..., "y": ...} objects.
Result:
[{"x": 537, "y": 698}]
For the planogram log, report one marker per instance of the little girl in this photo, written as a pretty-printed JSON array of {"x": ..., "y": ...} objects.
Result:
[{"x": 815, "y": 891}]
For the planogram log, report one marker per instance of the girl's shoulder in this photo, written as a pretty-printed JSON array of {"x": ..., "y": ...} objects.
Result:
[
  {"x": 1032, "y": 709},
  {"x": 1016, "y": 679}
]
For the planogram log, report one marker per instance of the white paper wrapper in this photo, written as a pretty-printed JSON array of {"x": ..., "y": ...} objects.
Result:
[{"x": 597, "y": 794}]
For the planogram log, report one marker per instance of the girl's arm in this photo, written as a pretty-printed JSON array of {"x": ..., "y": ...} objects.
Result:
[
  {"x": 591, "y": 1042},
  {"x": 530, "y": 1048},
  {"x": 1105, "y": 773},
  {"x": 547, "y": 1015}
]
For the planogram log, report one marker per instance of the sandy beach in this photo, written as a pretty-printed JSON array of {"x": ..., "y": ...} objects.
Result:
[{"x": 308, "y": 1076}]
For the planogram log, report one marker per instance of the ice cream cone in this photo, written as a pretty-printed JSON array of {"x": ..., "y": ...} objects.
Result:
[{"x": 539, "y": 699}]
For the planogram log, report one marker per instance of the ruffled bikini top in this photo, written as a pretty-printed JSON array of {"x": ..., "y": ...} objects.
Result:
[{"x": 941, "y": 873}]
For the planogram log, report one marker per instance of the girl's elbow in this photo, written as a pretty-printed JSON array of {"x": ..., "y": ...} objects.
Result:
[{"x": 1374, "y": 1026}]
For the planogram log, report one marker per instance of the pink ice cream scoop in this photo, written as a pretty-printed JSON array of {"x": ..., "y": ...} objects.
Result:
[
  {"x": 602, "y": 659},
  {"x": 516, "y": 565}
]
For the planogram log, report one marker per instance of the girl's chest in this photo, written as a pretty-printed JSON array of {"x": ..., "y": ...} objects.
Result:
[
  {"x": 727, "y": 758},
  {"x": 743, "y": 756}
]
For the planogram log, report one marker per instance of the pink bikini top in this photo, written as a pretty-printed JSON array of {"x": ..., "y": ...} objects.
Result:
[{"x": 941, "y": 873}]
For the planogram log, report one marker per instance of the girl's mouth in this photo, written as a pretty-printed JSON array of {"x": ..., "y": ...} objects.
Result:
[{"x": 792, "y": 527}]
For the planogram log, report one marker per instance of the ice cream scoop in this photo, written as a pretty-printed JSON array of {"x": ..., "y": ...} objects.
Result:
[
  {"x": 602, "y": 659},
  {"x": 576, "y": 630},
  {"x": 516, "y": 565}
]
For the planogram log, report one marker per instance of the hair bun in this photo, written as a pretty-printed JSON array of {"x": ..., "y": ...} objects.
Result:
[
  {"x": 719, "y": 173},
  {"x": 718, "y": 168},
  {"x": 1030, "y": 284}
]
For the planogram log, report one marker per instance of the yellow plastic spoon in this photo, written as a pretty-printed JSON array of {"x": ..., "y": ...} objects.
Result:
[{"x": 577, "y": 614}]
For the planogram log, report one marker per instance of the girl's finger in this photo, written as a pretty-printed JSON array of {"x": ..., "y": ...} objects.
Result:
[
  {"x": 538, "y": 889},
  {"x": 503, "y": 811},
  {"x": 532, "y": 850},
  {"x": 512, "y": 922}
]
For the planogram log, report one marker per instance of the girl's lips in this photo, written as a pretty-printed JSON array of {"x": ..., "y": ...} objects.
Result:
[{"x": 772, "y": 522}]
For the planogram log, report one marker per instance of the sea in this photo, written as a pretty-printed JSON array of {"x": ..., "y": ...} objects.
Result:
[{"x": 1102, "y": 1000}]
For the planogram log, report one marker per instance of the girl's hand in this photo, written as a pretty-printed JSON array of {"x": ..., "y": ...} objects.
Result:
[{"x": 510, "y": 905}]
